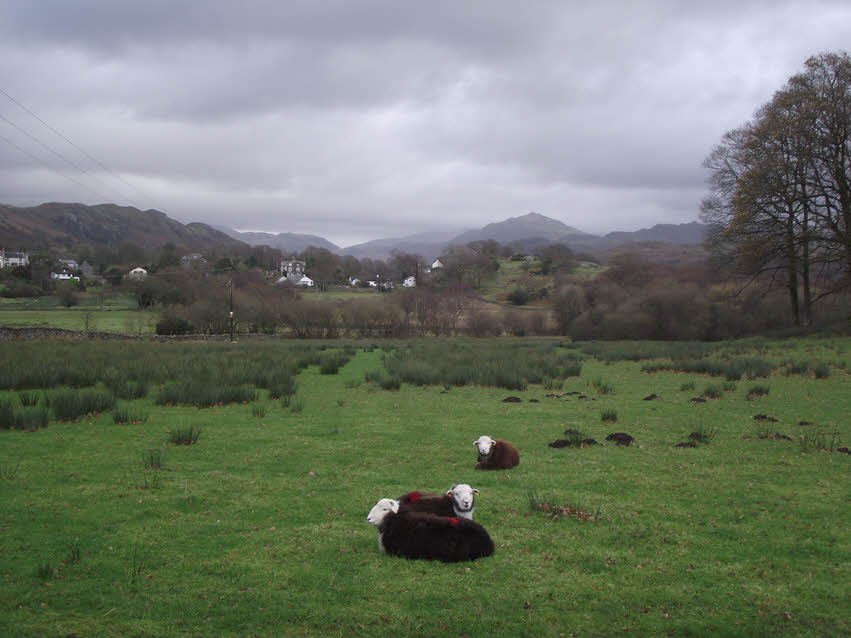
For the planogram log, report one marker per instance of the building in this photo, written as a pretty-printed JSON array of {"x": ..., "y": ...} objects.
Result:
[
  {"x": 10, "y": 259},
  {"x": 294, "y": 267},
  {"x": 410, "y": 282},
  {"x": 137, "y": 274},
  {"x": 193, "y": 260}
]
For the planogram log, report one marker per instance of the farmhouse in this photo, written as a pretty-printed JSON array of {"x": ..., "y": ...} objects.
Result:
[
  {"x": 11, "y": 260},
  {"x": 193, "y": 260},
  {"x": 293, "y": 267},
  {"x": 68, "y": 264},
  {"x": 63, "y": 276},
  {"x": 137, "y": 274},
  {"x": 410, "y": 282}
]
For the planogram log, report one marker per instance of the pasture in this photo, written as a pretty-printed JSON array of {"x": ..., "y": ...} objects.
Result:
[{"x": 109, "y": 528}]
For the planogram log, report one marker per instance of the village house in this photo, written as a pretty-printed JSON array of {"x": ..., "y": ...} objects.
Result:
[
  {"x": 293, "y": 267},
  {"x": 410, "y": 282},
  {"x": 193, "y": 260},
  {"x": 10, "y": 259},
  {"x": 137, "y": 274}
]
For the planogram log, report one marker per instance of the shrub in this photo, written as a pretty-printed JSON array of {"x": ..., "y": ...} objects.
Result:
[
  {"x": 609, "y": 415},
  {"x": 518, "y": 297},
  {"x": 172, "y": 325},
  {"x": 296, "y": 404},
  {"x": 258, "y": 410},
  {"x": 282, "y": 386},
  {"x": 572, "y": 369},
  {"x": 729, "y": 386},
  {"x": 687, "y": 386},
  {"x": 204, "y": 394},
  {"x": 821, "y": 370},
  {"x": 602, "y": 387}
]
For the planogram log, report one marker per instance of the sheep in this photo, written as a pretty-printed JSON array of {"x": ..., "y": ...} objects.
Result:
[
  {"x": 420, "y": 535},
  {"x": 459, "y": 500},
  {"x": 495, "y": 454}
]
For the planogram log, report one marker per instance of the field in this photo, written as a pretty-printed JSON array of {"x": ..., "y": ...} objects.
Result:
[{"x": 258, "y": 528}]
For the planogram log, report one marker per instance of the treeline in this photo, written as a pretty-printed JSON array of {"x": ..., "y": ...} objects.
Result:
[{"x": 633, "y": 299}]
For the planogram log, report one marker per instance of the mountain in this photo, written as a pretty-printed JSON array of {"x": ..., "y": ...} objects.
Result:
[
  {"x": 429, "y": 245},
  {"x": 530, "y": 226},
  {"x": 64, "y": 226},
  {"x": 691, "y": 233},
  {"x": 287, "y": 243}
]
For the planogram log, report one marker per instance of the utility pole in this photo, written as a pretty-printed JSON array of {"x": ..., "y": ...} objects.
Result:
[{"x": 230, "y": 314}]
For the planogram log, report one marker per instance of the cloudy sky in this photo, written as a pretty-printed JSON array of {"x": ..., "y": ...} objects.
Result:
[{"x": 361, "y": 119}]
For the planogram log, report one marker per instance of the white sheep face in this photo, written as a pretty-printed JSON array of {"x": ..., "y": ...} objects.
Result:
[
  {"x": 485, "y": 444},
  {"x": 463, "y": 497},
  {"x": 382, "y": 508}
]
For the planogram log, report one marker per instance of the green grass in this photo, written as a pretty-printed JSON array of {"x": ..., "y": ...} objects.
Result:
[
  {"x": 122, "y": 321},
  {"x": 259, "y": 528}
]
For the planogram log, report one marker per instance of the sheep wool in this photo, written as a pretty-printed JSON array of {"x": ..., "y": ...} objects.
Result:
[
  {"x": 495, "y": 454},
  {"x": 459, "y": 500},
  {"x": 420, "y": 535}
]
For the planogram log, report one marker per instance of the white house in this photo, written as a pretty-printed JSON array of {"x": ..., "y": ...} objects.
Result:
[
  {"x": 437, "y": 264},
  {"x": 372, "y": 283},
  {"x": 193, "y": 259},
  {"x": 305, "y": 281},
  {"x": 69, "y": 264},
  {"x": 63, "y": 276},
  {"x": 10, "y": 259},
  {"x": 137, "y": 273},
  {"x": 293, "y": 267},
  {"x": 410, "y": 282},
  {"x": 354, "y": 281}
]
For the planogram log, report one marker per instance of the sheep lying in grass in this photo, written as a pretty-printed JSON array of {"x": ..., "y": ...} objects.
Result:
[
  {"x": 420, "y": 535},
  {"x": 459, "y": 500},
  {"x": 495, "y": 454}
]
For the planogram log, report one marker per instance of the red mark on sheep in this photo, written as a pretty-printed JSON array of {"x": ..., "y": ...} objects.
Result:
[{"x": 453, "y": 521}]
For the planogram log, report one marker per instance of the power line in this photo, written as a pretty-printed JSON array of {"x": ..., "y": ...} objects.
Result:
[
  {"x": 93, "y": 159},
  {"x": 55, "y": 170},
  {"x": 65, "y": 159}
]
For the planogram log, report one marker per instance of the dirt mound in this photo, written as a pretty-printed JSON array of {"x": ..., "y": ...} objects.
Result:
[
  {"x": 697, "y": 400},
  {"x": 512, "y": 400},
  {"x": 776, "y": 436},
  {"x": 621, "y": 438},
  {"x": 571, "y": 431},
  {"x": 534, "y": 401},
  {"x": 843, "y": 450},
  {"x": 805, "y": 423},
  {"x": 764, "y": 417},
  {"x": 650, "y": 397},
  {"x": 686, "y": 444},
  {"x": 572, "y": 393},
  {"x": 559, "y": 443},
  {"x": 582, "y": 396}
]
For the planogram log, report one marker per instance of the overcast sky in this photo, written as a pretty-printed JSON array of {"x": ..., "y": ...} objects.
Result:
[{"x": 362, "y": 119}]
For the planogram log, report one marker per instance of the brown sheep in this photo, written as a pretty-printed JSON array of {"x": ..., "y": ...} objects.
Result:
[{"x": 495, "y": 454}]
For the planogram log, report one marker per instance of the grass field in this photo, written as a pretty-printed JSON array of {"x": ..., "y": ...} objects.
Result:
[
  {"x": 123, "y": 321},
  {"x": 259, "y": 528}
]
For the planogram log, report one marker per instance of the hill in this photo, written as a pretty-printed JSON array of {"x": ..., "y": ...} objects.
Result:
[
  {"x": 62, "y": 225},
  {"x": 525, "y": 227},
  {"x": 429, "y": 245},
  {"x": 287, "y": 243}
]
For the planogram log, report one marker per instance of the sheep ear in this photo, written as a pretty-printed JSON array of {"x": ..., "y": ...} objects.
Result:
[
  {"x": 449, "y": 493},
  {"x": 394, "y": 505},
  {"x": 476, "y": 443},
  {"x": 475, "y": 491}
]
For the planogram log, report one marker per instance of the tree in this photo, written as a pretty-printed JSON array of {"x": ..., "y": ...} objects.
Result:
[{"x": 780, "y": 187}]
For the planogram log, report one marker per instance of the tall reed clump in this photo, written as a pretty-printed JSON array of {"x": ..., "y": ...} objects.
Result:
[
  {"x": 27, "y": 417},
  {"x": 331, "y": 361},
  {"x": 128, "y": 414},
  {"x": 69, "y": 404},
  {"x": 204, "y": 394},
  {"x": 184, "y": 435}
]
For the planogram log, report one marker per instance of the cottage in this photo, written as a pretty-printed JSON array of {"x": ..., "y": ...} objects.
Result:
[
  {"x": 293, "y": 267},
  {"x": 63, "y": 276},
  {"x": 11, "y": 259},
  {"x": 305, "y": 282},
  {"x": 436, "y": 264},
  {"x": 137, "y": 274},
  {"x": 410, "y": 282},
  {"x": 193, "y": 260},
  {"x": 354, "y": 282},
  {"x": 68, "y": 264}
]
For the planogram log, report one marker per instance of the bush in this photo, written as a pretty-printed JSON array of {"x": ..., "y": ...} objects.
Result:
[
  {"x": 126, "y": 414},
  {"x": 758, "y": 391},
  {"x": 171, "y": 325},
  {"x": 518, "y": 297},
  {"x": 204, "y": 394},
  {"x": 184, "y": 436}
]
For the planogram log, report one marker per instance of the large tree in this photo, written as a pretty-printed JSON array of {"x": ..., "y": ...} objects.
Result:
[{"x": 779, "y": 203}]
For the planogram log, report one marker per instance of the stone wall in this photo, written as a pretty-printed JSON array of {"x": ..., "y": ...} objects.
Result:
[{"x": 11, "y": 334}]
